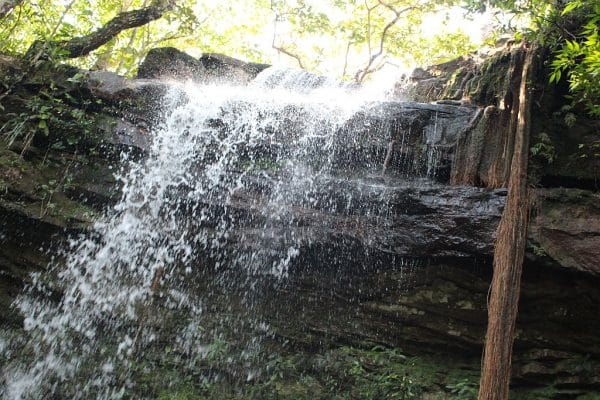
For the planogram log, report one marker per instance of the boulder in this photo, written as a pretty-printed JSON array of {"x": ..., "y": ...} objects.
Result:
[
  {"x": 222, "y": 68},
  {"x": 170, "y": 63},
  {"x": 114, "y": 88}
]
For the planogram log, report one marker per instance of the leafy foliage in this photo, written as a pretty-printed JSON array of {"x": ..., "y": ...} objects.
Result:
[
  {"x": 364, "y": 36},
  {"x": 544, "y": 149},
  {"x": 579, "y": 59},
  {"x": 568, "y": 28},
  {"x": 335, "y": 36},
  {"x": 53, "y": 114},
  {"x": 342, "y": 373},
  {"x": 464, "y": 389}
]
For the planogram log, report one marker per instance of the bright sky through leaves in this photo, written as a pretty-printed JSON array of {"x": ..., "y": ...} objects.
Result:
[{"x": 341, "y": 38}]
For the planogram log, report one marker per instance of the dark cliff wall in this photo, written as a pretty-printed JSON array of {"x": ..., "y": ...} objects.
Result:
[
  {"x": 53, "y": 185},
  {"x": 562, "y": 136},
  {"x": 564, "y": 169}
]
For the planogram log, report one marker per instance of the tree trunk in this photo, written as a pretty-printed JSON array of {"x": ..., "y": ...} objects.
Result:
[
  {"x": 83, "y": 45},
  {"x": 508, "y": 258}
]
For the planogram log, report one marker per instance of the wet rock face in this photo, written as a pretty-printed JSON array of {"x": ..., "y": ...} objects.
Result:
[
  {"x": 565, "y": 229},
  {"x": 405, "y": 138},
  {"x": 562, "y": 137},
  {"x": 389, "y": 138},
  {"x": 382, "y": 260},
  {"x": 45, "y": 198},
  {"x": 391, "y": 217},
  {"x": 439, "y": 308}
]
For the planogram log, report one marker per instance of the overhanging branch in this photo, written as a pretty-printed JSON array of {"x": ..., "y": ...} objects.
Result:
[
  {"x": 281, "y": 49},
  {"x": 361, "y": 74},
  {"x": 290, "y": 54},
  {"x": 83, "y": 45}
]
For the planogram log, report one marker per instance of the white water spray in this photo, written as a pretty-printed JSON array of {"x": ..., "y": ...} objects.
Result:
[{"x": 112, "y": 297}]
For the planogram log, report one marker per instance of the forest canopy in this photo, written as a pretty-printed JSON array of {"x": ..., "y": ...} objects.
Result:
[
  {"x": 350, "y": 39},
  {"x": 340, "y": 37}
]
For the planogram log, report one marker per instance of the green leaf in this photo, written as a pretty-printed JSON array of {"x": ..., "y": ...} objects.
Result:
[
  {"x": 76, "y": 78},
  {"x": 570, "y": 7},
  {"x": 44, "y": 127},
  {"x": 72, "y": 140}
]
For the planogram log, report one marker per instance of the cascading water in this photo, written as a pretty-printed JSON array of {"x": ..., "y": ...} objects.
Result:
[{"x": 211, "y": 215}]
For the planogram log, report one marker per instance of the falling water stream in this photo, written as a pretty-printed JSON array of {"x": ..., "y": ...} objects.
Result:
[{"x": 211, "y": 215}]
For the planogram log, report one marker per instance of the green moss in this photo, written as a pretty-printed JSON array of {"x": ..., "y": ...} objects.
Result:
[
  {"x": 589, "y": 396},
  {"x": 454, "y": 87},
  {"x": 491, "y": 81}
]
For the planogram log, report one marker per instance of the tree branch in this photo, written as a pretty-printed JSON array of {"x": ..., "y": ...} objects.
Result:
[
  {"x": 361, "y": 74},
  {"x": 83, "y": 45},
  {"x": 346, "y": 58},
  {"x": 279, "y": 48},
  {"x": 369, "y": 10},
  {"x": 6, "y": 6},
  {"x": 290, "y": 54}
]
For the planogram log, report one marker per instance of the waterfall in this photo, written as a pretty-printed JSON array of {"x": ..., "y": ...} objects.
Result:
[
  {"x": 121, "y": 283},
  {"x": 213, "y": 215}
]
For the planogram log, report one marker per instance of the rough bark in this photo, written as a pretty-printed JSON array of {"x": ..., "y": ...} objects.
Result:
[
  {"x": 508, "y": 259},
  {"x": 499, "y": 171},
  {"x": 7, "y": 5},
  {"x": 83, "y": 45}
]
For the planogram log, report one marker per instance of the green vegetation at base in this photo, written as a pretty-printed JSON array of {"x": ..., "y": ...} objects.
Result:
[{"x": 342, "y": 373}]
